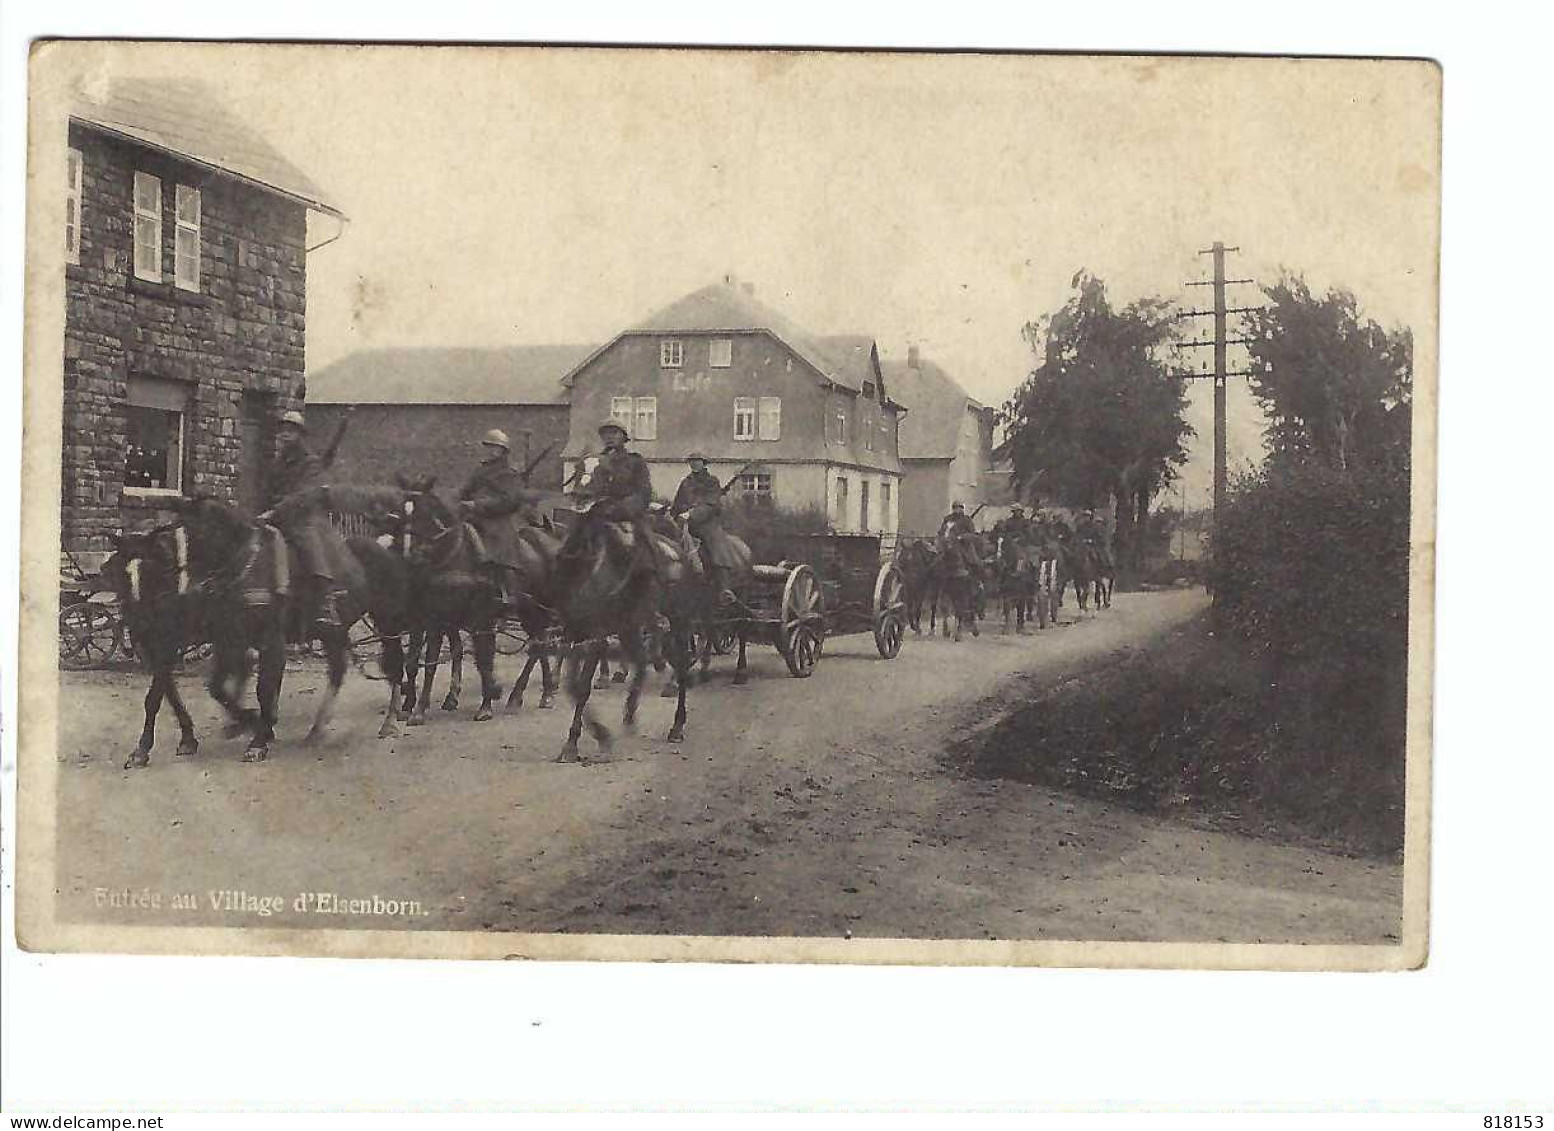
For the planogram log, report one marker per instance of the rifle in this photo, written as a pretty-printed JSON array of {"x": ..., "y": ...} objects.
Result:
[
  {"x": 328, "y": 458},
  {"x": 535, "y": 462}
]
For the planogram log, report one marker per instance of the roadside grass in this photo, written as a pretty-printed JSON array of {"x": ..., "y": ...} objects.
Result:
[{"x": 1199, "y": 726}]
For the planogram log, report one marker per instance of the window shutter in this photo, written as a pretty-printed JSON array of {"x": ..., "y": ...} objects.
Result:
[
  {"x": 771, "y": 418},
  {"x": 186, "y": 239},
  {"x": 73, "y": 207},
  {"x": 646, "y": 418}
]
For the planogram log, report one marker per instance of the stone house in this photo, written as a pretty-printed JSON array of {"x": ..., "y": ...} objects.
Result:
[
  {"x": 946, "y": 446},
  {"x": 185, "y": 303},
  {"x": 805, "y": 420},
  {"x": 424, "y": 410}
]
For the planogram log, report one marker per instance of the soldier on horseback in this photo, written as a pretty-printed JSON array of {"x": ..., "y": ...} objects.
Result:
[
  {"x": 299, "y": 507},
  {"x": 699, "y": 503},
  {"x": 1017, "y": 527},
  {"x": 498, "y": 502},
  {"x": 622, "y": 488},
  {"x": 1093, "y": 533},
  {"x": 955, "y": 524}
]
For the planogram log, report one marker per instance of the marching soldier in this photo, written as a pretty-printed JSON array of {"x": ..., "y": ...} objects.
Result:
[
  {"x": 299, "y": 506},
  {"x": 699, "y": 502},
  {"x": 498, "y": 501}
]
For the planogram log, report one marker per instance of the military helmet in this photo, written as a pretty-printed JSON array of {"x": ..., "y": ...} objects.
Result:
[
  {"x": 497, "y": 438},
  {"x": 616, "y": 424},
  {"x": 957, "y": 505},
  {"x": 294, "y": 418},
  {"x": 696, "y": 455},
  {"x": 1018, "y": 508}
]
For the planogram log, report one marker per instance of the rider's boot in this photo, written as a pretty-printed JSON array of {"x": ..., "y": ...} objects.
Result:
[{"x": 328, "y": 605}]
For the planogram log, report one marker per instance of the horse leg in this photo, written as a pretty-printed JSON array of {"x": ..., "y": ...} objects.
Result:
[
  {"x": 412, "y": 665},
  {"x": 521, "y": 684},
  {"x": 272, "y": 667},
  {"x": 231, "y": 657},
  {"x": 428, "y": 674},
  {"x": 485, "y": 663},
  {"x": 741, "y": 675},
  {"x": 455, "y": 670},
  {"x": 680, "y": 648},
  {"x": 549, "y": 678},
  {"x": 391, "y": 662},
  {"x": 336, "y": 643},
  {"x": 636, "y": 656},
  {"x": 188, "y": 745},
  {"x": 140, "y": 757},
  {"x": 602, "y": 678}
]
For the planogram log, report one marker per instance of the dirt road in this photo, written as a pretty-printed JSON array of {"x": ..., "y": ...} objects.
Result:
[{"x": 796, "y": 807}]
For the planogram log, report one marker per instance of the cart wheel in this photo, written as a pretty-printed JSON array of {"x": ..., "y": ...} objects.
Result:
[
  {"x": 801, "y": 633},
  {"x": 88, "y": 635},
  {"x": 889, "y": 611}
]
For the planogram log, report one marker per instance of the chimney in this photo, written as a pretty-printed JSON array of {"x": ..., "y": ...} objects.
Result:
[{"x": 912, "y": 358}]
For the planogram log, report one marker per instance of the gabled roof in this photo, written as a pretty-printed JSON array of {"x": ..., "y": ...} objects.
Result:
[
  {"x": 432, "y": 375},
  {"x": 847, "y": 360},
  {"x": 186, "y": 118},
  {"x": 936, "y": 408}
]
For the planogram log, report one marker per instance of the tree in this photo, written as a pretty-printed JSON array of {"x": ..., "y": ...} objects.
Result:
[
  {"x": 1100, "y": 418},
  {"x": 1336, "y": 389}
]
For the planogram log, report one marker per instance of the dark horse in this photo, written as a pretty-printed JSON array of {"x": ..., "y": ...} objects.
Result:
[
  {"x": 454, "y": 592},
  {"x": 1081, "y": 564},
  {"x": 599, "y": 589},
  {"x": 713, "y": 619},
  {"x": 215, "y": 575},
  {"x": 958, "y": 572},
  {"x": 918, "y": 561},
  {"x": 1016, "y": 572}
]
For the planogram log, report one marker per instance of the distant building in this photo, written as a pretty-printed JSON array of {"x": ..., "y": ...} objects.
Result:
[
  {"x": 807, "y": 421},
  {"x": 423, "y": 411},
  {"x": 946, "y": 446},
  {"x": 185, "y": 295}
]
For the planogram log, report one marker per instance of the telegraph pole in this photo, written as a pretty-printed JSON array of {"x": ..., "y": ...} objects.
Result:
[{"x": 1221, "y": 341}]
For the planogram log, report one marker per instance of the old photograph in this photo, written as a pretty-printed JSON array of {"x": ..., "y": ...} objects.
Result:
[{"x": 827, "y": 506}]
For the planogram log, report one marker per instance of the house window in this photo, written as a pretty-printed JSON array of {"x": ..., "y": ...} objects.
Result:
[
  {"x": 885, "y": 506},
  {"x": 771, "y": 418},
  {"x": 623, "y": 411},
  {"x": 73, "y": 207},
  {"x": 721, "y": 353},
  {"x": 154, "y": 443},
  {"x": 863, "y": 506},
  {"x": 868, "y": 389},
  {"x": 841, "y": 502},
  {"x": 186, "y": 239},
  {"x": 744, "y": 418},
  {"x": 148, "y": 227},
  {"x": 839, "y": 423},
  {"x": 647, "y": 419},
  {"x": 757, "y": 483},
  {"x": 671, "y": 353},
  {"x": 867, "y": 428}
]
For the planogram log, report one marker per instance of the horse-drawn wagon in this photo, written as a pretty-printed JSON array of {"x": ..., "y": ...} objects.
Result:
[{"x": 824, "y": 585}]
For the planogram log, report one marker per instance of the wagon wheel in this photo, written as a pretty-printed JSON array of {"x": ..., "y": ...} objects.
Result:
[
  {"x": 889, "y": 611},
  {"x": 88, "y": 635},
  {"x": 801, "y": 629}
]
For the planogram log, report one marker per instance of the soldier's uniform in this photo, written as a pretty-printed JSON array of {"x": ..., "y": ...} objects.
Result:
[
  {"x": 955, "y": 523},
  {"x": 1018, "y": 527},
  {"x": 500, "y": 504},
  {"x": 299, "y": 507},
  {"x": 622, "y": 488},
  {"x": 700, "y": 499},
  {"x": 1089, "y": 530}
]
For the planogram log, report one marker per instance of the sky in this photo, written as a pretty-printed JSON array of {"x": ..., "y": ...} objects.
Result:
[{"x": 517, "y": 195}]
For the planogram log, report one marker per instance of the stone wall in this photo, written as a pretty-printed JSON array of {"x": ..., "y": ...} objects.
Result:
[{"x": 242, "y": 331}]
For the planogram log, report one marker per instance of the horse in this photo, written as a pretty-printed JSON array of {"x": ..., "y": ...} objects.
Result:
[
  {"x": 711, "y": 616},
  {"x": 1016, "y": 573},
  {"x": 600, "y": 589},
  {"x": 918, "y": 562},
  {"x": 957, "y": 573},
  {"x": 455, "y": 592},
  {"x": 1082, "y": 567},
  {"x": 215, "y": 575},
  {"x": 537, "y": 624}
]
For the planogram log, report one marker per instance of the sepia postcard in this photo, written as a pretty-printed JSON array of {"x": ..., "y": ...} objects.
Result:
[{"x": 728, "y": 505}]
